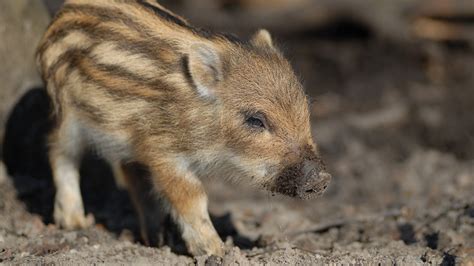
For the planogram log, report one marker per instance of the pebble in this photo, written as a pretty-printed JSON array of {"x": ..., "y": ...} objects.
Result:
[
  {"x": 126, "y": 235},
  {"x": 24, "y": 254},
  {"x": 213, "y": 261},
  {"x": 70, "y": 236},
  {"x": 85, "y": 239}
]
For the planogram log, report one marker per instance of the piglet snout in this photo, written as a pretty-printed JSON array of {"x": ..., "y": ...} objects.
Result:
[
  {"x": 313, "y": 182},
  {"x": 304, "y": 180}
]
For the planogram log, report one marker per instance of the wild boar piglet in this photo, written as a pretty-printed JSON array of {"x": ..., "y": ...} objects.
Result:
[{"x": 140, "y": 85}]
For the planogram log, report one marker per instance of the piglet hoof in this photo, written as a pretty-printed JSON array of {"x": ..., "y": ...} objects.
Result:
[
  {"x": 213, "y": 246},
  {"x": 89, "y": 220},
  {"x": 71, "y": 220}
]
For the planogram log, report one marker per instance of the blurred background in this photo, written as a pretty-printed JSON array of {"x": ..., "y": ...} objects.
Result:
[{"x": 392, "y": 84}]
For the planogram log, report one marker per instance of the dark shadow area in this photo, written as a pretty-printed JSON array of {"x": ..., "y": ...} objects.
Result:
[
  {"x": 432, "y": 240},
  {"x": 448, "y": 260},
  {"x": 25, "y": 155},
  {"x": 25, "y": 152},
  {"x": 344, "y": 29},
  {"x": 407, "y": 233},
  {"x": 226, "y": 228}
]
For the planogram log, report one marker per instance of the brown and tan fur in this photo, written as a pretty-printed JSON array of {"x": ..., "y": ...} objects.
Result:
[{"x": 139, "y": 84}]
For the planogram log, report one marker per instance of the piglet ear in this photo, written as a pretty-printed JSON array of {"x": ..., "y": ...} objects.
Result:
[
  {"x": 262, "y": 38},
  {"x": 205, "y": 69}
]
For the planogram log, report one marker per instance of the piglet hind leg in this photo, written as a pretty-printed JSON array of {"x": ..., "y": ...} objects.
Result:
[
  {"x": 187, "y": 203},
  {"x": 147, "y": 206},
  {"x": 65, "y": 154}
]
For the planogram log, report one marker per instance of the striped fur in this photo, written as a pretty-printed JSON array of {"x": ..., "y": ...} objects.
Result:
[{"x": 140, "y": 84}]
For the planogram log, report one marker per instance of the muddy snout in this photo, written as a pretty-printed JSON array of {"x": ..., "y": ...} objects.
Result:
[
  {"x": 304, "y": 180},
  {"x": 313, "y": 182}
]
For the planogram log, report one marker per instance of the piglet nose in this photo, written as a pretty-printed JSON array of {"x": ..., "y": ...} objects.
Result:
[{"x": 315, "y": 180}]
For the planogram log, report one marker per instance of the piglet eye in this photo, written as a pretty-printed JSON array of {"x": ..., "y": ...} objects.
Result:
[{"x": 255, "y": 122}]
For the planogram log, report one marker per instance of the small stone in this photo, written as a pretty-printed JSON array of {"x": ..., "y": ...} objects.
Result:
[
  {"x": 200, "y": 260},
  {"x": 166, "y": 250},
  {"x": 70, "y": 236},
  {"x": 24, "y": 254},
  {"x": 213, "y": 261},
  {"x": 84, "y": 239},
  {"x": 126, "y": 235}
]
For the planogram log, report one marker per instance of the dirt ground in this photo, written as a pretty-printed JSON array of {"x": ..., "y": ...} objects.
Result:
[{"x": 393, "y": 121}]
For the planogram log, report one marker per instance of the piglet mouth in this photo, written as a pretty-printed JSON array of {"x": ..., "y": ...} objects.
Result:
[{"x": 305, "y": 180}]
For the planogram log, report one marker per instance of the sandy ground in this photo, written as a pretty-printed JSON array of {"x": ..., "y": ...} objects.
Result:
[
  {"x": 432, "y": 228},
  {"x": 394, "y": 123}
]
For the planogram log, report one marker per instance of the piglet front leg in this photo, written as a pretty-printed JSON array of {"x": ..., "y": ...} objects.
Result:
[{"x": 184, "y": 194}]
